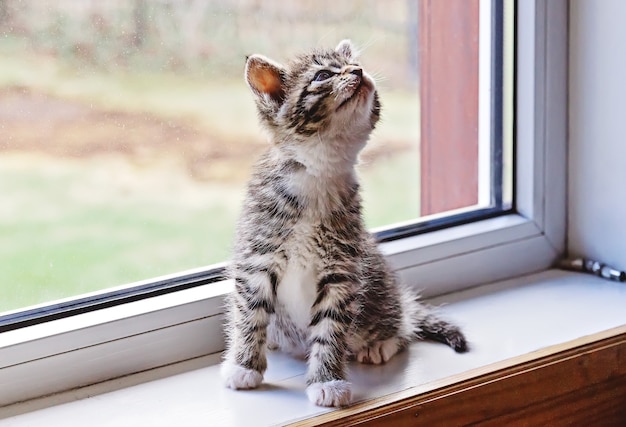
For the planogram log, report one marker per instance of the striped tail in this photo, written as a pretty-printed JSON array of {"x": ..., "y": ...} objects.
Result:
[{"x": 433, "y": 328}]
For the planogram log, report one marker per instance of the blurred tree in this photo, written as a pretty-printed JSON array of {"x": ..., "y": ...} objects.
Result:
[
  {"x": 140, "y": 19},
  {"x": 4, "y": 12}
]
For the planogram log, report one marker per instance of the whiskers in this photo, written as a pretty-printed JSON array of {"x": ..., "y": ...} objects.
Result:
[{"x": 378, "y": 77}]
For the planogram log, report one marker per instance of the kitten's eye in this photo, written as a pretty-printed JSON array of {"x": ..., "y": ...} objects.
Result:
[{"x": 322, "y": 75}]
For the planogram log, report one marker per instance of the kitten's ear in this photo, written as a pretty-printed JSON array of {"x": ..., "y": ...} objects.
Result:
[
  {"x": 347, "y": 49},
  {"x": 265, "y": 76}
]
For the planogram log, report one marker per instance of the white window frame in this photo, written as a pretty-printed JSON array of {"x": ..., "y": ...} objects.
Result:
[{"x": 88, "y": 348}]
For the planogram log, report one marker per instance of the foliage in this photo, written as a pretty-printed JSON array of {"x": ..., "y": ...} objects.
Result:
[{"x": 209, "y": 38}]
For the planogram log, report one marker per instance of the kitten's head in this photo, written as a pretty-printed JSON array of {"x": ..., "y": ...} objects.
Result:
[{"x": 325, "y": 95}]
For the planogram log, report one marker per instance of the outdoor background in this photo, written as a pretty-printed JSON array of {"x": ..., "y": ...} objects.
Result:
[{"x": 127, "y": 131}]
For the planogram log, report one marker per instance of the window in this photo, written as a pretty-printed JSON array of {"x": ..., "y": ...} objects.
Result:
[
  {"x": 175, "y": 326},
  {"x": 125, "y": 154}
]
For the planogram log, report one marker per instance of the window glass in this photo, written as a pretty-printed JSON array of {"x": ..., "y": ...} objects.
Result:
[{"x": 127, "y": 131}]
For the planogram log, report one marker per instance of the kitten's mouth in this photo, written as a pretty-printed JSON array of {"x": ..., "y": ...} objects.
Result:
[{"x": 355, "y": 94}]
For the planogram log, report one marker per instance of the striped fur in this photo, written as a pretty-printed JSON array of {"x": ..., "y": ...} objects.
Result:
[{"x": 308, "y": 276}]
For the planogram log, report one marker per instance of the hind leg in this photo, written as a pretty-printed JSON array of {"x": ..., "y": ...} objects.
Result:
[{"x": 380, "y": 351}]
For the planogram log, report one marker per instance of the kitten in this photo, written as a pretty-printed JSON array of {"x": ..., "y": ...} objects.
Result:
[{"x": 309, "y": 278}]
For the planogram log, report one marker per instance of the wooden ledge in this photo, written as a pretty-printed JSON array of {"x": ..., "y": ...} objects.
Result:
[{"x": 581, "y": 382}]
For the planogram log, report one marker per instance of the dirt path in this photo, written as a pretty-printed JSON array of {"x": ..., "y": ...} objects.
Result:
[{"x": 32, "y": 121}]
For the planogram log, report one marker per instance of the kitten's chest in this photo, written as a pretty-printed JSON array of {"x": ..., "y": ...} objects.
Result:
[{"x": 298, "y": 288}]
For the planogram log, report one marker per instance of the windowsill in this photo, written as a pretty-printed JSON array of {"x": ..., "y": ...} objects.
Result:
[{"x": 502, "y": 321}]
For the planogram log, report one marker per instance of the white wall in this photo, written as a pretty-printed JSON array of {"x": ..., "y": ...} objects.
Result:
[{"x": 597, "y": 126}]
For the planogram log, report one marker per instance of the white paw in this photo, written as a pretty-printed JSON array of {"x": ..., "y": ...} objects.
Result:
[
  {"x": 379, "y": 352},
  {"x": 330, "y": 393},
  {"x": 238, "y": 377}
]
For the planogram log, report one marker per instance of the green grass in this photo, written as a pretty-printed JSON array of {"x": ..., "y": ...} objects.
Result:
[
  {"x": 54, "y": 243},
  {"x": 391, "y": 190}
]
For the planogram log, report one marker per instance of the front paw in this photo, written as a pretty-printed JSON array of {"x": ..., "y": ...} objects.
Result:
[
  {"x": 330, "y": 393},
  {"x": 237, "y": 377}
]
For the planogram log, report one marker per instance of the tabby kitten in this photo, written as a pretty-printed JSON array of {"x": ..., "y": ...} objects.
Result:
[{"x": 309, "y": 278}]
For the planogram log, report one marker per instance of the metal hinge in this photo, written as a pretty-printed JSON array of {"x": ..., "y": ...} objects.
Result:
[{"x": 585, "y": 265}]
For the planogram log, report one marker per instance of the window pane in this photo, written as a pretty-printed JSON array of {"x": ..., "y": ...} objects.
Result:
[{"x": 127, "y": 131}]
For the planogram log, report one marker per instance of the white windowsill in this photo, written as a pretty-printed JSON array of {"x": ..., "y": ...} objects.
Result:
[{"x": 502, "y": 320}]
